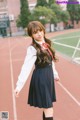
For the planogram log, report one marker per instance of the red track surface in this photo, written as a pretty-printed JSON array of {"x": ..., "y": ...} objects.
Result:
[{"x": 12, "y": 53}]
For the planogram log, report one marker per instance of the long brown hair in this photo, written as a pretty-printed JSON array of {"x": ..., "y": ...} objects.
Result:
[{"x": 33, "y": 27}]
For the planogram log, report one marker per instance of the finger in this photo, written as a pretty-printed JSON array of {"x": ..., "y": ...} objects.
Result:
[{"x": 16, "y": 94}]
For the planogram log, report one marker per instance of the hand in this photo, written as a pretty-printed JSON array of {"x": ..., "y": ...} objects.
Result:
[
  {"x": 16, "y": 92},
  {"x": 57, "y": 79}
]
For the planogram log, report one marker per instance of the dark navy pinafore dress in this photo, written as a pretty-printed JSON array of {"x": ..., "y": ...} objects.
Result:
[{"x": 42, "y": 89}]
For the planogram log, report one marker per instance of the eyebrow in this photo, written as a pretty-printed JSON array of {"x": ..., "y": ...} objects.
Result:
[{"x": 37, "y": 29}]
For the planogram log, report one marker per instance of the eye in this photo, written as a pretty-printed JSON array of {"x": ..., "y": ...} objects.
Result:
[{"x": 34, "y": 32}]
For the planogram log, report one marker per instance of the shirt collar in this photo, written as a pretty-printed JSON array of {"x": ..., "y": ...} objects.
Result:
[{"x": 40, "y": 42}]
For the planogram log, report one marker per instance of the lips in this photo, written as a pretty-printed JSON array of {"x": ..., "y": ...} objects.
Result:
[{"x": 39, "y": 37}]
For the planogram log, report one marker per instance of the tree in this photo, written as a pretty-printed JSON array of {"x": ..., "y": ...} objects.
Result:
[
  {"x": 57, "y": 10},
  {"x": 60, "y": 14},
  {"x": 24, "y": 14},
  {"x": 18, "y": 21},
  {"x": 41, "y": 3},
  {"x": 74, "y": 10},
  {"x": 42, "y": 14},
  {"x": 50, "y": 2},
  {"x": 65, "y": 16}
]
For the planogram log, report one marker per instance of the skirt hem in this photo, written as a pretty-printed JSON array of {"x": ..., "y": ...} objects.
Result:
[{"x": 41, "y": 106}]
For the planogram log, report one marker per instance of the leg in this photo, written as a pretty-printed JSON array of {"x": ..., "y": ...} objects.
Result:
[
  {"x": 43, "y": 115},
  {"x": 48, "y": 114}
]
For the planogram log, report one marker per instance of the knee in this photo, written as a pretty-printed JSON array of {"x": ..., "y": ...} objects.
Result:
[{"x": 48, "y": 112}]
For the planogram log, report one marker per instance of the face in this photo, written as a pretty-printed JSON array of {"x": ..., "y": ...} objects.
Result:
[{"x": 38, "y": 36}]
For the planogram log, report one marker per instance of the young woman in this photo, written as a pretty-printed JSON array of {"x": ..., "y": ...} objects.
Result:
[{"x": 39, "y": 53}]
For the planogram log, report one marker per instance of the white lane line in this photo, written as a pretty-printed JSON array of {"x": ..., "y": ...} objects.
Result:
[
  {"x": 12, "y": 83},
  {"x": 74, "y": 99}
]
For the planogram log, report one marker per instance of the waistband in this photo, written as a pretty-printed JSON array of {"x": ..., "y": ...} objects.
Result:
[{"x": 43, "y": 66}]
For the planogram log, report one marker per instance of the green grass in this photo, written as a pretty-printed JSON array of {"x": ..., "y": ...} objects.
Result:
[
  {"x": 68, "y": 35},
  {"x": 64, "y": 39}
]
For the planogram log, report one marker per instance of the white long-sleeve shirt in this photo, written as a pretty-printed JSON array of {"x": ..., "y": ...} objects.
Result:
[{"x": 27, "y": 67}]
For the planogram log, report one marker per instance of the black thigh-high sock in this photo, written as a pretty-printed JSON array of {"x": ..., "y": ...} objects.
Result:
[
  {"x": 43, "y": 116},
  {"x": 48, "y": 118}
]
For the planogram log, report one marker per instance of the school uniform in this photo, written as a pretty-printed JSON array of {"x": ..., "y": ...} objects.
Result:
[{"x": 42, "y": 88}]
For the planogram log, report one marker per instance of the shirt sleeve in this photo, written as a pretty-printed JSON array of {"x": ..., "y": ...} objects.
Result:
[
  {"x": 26, "y": 67},
  {"x": 54, "y": 71}
]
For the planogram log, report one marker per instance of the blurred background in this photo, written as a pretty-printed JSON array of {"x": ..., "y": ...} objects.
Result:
[{"x": 56, "y": 15}]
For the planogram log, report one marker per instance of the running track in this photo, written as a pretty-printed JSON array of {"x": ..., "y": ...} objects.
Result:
[{"x": 12, "y": 54}]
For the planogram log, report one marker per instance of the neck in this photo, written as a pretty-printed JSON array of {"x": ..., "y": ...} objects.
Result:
[{"x": 40, "y": 42}]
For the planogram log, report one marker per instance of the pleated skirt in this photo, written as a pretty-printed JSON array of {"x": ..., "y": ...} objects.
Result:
[{"x": 42, "y": 88}]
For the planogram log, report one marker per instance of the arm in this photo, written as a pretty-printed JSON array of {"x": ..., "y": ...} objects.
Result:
[
  {"x": 56, "y": 76},
  {"x": 26, "y": 68}
]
